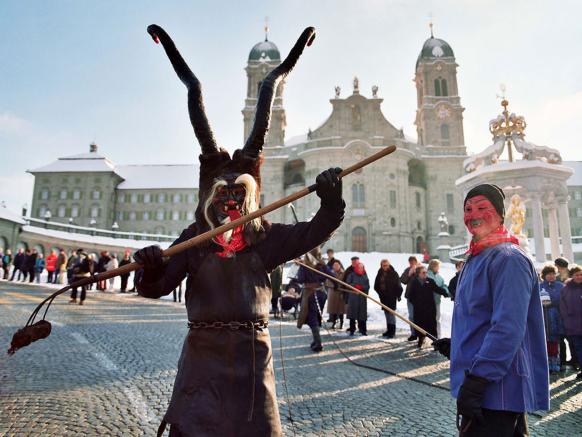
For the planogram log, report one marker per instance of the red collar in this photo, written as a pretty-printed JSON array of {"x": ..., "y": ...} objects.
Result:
[{"x": 498, "y": 236}]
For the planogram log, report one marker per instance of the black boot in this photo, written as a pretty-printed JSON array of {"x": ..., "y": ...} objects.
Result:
[
  {"x": 391, "y": 331},
  {"x": 341, "y": 319},
  {"x": 316, "y": 345}
]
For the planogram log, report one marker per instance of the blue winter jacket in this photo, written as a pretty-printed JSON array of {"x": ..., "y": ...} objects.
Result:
[{"x": 498, "y": 330}]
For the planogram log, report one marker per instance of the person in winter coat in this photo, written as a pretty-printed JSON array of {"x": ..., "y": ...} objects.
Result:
[
  {"x": 18, "y": 264},
  {"x": 550, "y": 294},
  {"x": 406, "y": 278},
  {"x": 39, "y": 267},
  {"x": 499, "y": 363},
  {"x": 314, "y": 295},
  {"x": 84, "y": 268},
  {"x": 562, "y": 264},
  {"x": 125, "y": 276},
  {"x": 358, "y": 305},
  {"x": 6, "y": 263},
  {"x": 571, "y": 311},
  {"x": 112, "y": 264},
  {"x": 453, "y": 282},
  {"x": 61, "y": 271},
  {"x": 51, "y": 266},
  {"x": 432, "y": 272},
  {"x": 421, "y": 294},
  {"x": 30, "y": 265},
  {"x": 336, "y": 305},
  {"x": 387, "y": 285},
  {"x": 101, "y": 267},
  {"x": 331, "y": 259}
]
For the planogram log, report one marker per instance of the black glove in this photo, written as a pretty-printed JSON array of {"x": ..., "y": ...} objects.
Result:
[
  {"x": 329, "y": 188},
  {"x": 150, "y": 257},
  {"x": 470, "y": 398},
  {"x": 443, "y": 345}
]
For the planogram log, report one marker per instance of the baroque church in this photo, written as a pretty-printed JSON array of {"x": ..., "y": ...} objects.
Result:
[{"x": 393, "y": 205}]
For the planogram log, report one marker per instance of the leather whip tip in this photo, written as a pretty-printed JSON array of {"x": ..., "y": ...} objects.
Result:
[{"x": 24, "y": 336}]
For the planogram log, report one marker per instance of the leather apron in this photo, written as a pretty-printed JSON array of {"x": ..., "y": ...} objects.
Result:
[{"x": 225, "y": 385}]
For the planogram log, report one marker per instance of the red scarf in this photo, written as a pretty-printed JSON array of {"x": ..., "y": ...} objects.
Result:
[
  {"x": 236, "y": 243},
  {"x": 499, "y": 235}
]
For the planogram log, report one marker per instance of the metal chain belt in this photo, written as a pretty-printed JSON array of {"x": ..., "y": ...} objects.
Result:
[{"x": 235, "y": 326}]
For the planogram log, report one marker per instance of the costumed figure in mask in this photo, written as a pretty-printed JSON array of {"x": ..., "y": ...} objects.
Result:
[
  {"x": 499, "y": 364},
  {"x": 225, "y": 383},
  {"x": 314, "y": 295}
]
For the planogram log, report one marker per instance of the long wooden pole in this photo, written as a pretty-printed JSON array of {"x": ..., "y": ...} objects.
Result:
[{"x": 384, "y": 307}]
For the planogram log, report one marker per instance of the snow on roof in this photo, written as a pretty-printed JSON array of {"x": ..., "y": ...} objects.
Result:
[
  {"x": 11, "y": 216},
  {"x": 576, "y": 178},
  {"x": 297, "y": 139},
  {"x": 84, "y": 162},
  {"x": 140, "y": 177}
]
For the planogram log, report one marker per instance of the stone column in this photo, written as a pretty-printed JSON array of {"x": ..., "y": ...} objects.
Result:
[
  {"x": 538, "y": 229},
  {"x": 565, "y": 232},
  {"x": 554, "y": 237}
]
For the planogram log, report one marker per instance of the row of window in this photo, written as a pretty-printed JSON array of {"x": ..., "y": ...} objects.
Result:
[
  {"x": 64, "y": 211},
  {"x": 64, "y": 194},
  {"x": 159, "y": 215},
  {"x": 156, "y": 198}
]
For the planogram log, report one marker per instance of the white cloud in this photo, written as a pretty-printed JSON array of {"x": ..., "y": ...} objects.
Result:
[{"x": 10, "y": 123}]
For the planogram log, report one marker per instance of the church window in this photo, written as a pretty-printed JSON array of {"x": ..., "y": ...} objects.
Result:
[
  {"x": 63, "y": 195},
  {"x": 445, "y": 135},
  {"x": 297, "y": 179},
  {"x": 359, "y": 240},
  {"x": 392, "y": 222},
  {"x": 417, "y": 200},
  {"x": 358, "y": 195},
  {"x": 452, "y": 229},
  {"x": 450, "y": 202},
  {"x": 441, "y": 87},
  {"x": 419, "y": 226},
  {"x": 147, "y": 198},
  {"x": 356, "y": 118},
  {"x": 44, "y": 194},
  {"x": 437, "y": 87},
  {"x": 392, "y": 199},
  {"x": 444, "y": 87},
  {"x": 61, "y": 211}
]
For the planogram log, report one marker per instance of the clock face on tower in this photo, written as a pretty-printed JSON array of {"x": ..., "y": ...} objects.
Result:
[{"x": 443, "y": 112}]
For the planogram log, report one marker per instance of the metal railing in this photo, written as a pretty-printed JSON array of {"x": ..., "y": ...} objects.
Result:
[{"x": 85, "y": 230}]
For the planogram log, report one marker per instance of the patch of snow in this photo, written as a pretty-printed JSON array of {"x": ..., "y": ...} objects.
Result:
[{"x": 140, "y": 177}]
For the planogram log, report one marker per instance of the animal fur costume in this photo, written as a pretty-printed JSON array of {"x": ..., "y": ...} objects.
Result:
[{"x": 225, "y": 383}]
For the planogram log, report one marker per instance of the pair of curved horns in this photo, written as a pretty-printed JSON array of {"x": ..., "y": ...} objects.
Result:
[{"x": 202, "y": 130}]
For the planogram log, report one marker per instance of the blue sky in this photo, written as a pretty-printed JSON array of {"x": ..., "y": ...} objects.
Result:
[{"x": 73, "y": 72}]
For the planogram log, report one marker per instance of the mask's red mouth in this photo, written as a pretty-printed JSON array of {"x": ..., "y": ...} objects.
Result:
[{"x": 234, "y": 213}]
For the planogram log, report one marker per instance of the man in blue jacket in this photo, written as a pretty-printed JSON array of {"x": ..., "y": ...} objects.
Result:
[{"x": 499, "y": 364}]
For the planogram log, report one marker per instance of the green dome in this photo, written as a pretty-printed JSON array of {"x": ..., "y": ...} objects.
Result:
[
  {"x": 435, "y": 48},
  {"x": 265, "y": 50}
]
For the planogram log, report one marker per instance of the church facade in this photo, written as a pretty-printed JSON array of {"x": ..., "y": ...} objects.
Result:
[{"x": 392, "y": 205}]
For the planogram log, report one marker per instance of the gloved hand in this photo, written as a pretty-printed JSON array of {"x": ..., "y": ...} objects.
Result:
[
  {"x": 443, "y": 345},
  {"x": 470, "y": 397},
  {"x": 329, "y": 188},
  {"x": 150, "y": 257}
]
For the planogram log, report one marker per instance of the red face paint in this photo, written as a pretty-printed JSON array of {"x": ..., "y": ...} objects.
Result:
[{"x": 480, "y": 217}]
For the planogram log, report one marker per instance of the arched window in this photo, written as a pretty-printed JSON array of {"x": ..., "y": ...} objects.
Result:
[
  {"x": 392, "y": 222},
  {"x": 441, "y": 87},
  {"x": 417, "y": 200},
  {"x": 358, "y": 195},
  {"x": 359, "y": 240}
]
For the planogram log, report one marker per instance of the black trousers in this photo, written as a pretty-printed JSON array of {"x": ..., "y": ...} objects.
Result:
[
  {"x": 124, "y": 279},
  {"x": 361, "y": 326},
  {"x": 498, "y": 424},
  {"x": 83, "y": 293},
  {"x": 49, "y": 279}
]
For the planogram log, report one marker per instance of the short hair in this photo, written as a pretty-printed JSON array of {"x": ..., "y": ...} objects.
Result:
[
  {"x": 354, "y": 258},
  {"x": 412, "y": 258},
  {"x": 562, "y": 262},
  {"x": 384, "y": 261},
  {"x": 433, "y": 262},
  {"x": 419, "y": 269},
  {"x": 329, "y": 250},
  {"x": 550, "y": 268},
  {"x": 574, "y": 269},
  {"x": 459, "y": 262}
]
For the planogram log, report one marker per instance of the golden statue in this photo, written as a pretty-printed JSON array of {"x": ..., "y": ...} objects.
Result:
[{"x": 517, "y": 214}]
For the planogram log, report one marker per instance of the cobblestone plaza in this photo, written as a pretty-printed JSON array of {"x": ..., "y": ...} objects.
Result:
[{"x": 108, "y": 369}]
